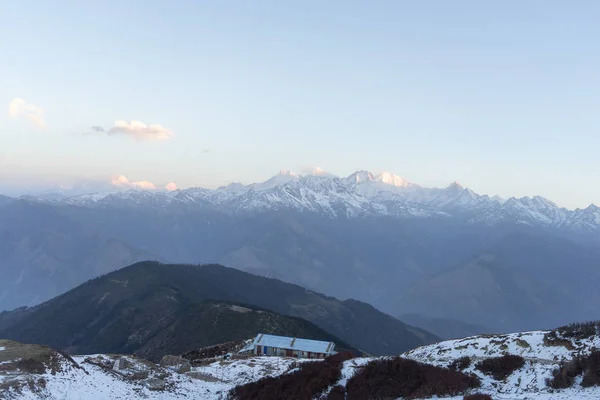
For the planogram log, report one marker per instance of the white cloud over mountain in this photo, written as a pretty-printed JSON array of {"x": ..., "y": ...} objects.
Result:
[{"x": 123, "y": 182}]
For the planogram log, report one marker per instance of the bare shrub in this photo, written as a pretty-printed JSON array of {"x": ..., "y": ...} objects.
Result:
[
  {"x": 460, "y": 364},
  {"x": 477, "y": 396},
  {"x": 399, "y": 377},
  {"x": 565, "y": 375},
  {"x": 501, "y": 367},
  {"x": 582, "y": 330},
  {"x": 337, "y": 393},
  {"x": 31, "y": 365},
  {"x": 308, "y": 382}
]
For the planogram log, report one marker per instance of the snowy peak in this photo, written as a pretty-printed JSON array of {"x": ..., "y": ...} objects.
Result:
[
  {"x": 391, "y": 179},
  {"x": 288, "y": 173},
  {"x": 384, "y": 178},
  {"x": 318, "y": 171},
  {"x": 233, "y": 186},
  {"x": 592, "y": 208},
  {"x": 360, "y": 177},
  {"x": 284, "y": 176},
  {"x": 584, "y": 220},
  {"x": 455, "y": 187},
  {"x": 498, "y": 199}
]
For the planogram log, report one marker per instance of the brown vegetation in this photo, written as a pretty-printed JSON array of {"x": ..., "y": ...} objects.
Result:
[
  {"x": 565, "y": 335},
  {"x": 477, "y": 396},
  {"x": 460, "y": 363},
  {"x": 211, "y": 352},
  {"x": 589, "y": 366},
  {"x": 308, "y": 382},
  {"x": 501, "y": 367},
  {"x": 31, "y": 365},
  {"x": 583, "y": 330},
  {"x": 337, "y": 393},
  {"x": 399, "y": 377}
]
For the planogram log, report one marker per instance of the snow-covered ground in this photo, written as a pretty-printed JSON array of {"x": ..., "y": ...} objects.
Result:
[
  {"x": 126, "y": 377},
  {"x": 525, "y": 344},
  {"x": 528, "y": 382},
  {"x": 94, "y": 382}
]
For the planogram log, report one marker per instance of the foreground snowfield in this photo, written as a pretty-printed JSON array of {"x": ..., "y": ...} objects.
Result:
[
  {"x": 527, "y": 383},
  {"x": 92, "y": 381},
  {"x": 126, "y": 377}
]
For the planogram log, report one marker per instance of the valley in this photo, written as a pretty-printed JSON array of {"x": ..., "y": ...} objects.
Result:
[{"x": 484, "y": 263}]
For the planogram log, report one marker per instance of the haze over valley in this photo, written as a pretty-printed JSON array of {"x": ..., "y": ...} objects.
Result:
[{"x": 494, "y": 264}]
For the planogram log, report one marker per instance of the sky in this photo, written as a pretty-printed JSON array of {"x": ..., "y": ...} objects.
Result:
[{"x": 502, "y": 96}]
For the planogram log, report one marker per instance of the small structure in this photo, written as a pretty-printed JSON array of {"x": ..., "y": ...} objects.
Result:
[{"x": 283, "y": 346}]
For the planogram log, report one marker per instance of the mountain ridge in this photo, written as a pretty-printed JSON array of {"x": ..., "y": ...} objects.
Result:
[
  {"x": 359, "y": 195},
  {"x": 123, "y": 310}
]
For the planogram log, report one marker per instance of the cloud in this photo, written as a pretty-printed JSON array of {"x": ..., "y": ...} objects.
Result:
[
  {"x": 137, "y": 130},
  {"x": 123, "y": 182},
  {"x": 19, "y": 108},
  {"x": 144, "y": 185}
]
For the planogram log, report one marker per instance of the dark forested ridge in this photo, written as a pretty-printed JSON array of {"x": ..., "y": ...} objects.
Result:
[
  {"x": 214, "y": 322},
  {"x": 146, "y": 306}
]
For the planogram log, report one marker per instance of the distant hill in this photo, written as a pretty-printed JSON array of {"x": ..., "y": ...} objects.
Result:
[
  {"x": 147, "y": 307},
  {"x": 9, "y": 318},
  {"x": 212, "y": 322},
  {"x": 521, "y": 282},
  {"x": 444, "y": 327},
  {"x": 43, "y": 253}
]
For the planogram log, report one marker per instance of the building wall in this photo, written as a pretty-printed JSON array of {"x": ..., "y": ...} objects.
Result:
[{"x": 275, "y": 351}]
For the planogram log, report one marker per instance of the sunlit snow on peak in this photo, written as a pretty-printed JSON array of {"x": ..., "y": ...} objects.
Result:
[{"x": 391, "y": 179}]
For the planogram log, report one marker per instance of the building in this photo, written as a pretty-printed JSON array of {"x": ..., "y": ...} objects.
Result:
[{"x": 271, "y": 345}]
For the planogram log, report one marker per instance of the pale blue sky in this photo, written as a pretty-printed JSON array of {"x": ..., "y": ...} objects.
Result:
[{"x": 503, "y": 96}]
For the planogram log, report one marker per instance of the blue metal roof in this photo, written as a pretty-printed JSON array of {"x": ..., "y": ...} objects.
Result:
[{"x": 289, "y": 343}]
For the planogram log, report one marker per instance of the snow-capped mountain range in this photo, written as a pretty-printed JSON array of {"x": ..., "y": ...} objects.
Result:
[{"x": 361, "y": 194}]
